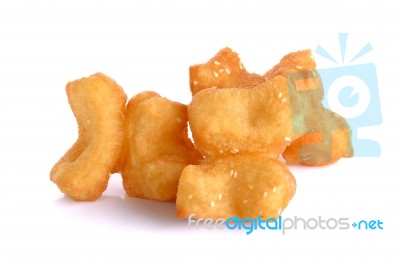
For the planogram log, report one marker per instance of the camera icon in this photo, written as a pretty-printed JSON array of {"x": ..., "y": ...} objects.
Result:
[{"x": 352, "y": 91}]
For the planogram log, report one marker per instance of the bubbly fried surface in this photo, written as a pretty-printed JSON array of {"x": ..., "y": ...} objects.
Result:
[
  {"x": 158, "y": 147},
  {"x": 124, "y": 151},
  {"x": 236, "y": 185},
  {"x": 308, "y": 115},
  {"x": 323, "y": 136},
  {"x": 237, "y": 120},
  {"x": 98, "y": 105},
  {"x": 224, "y": 70}
]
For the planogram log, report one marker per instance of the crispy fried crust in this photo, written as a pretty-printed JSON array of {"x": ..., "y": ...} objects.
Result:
[
  {"x": 124, "y": 150},
  {"x": 224, "y": 70},
  {"x": 311, "y": 120},
  {"x": 292, "y": 63},
  {"x": 250, "y": 120},
  {"x": 237, "y": 185},
  {"x": 98, "y": 105},
  {"x": 310, "y": 112},
  {"x": 158, "y": 147}
]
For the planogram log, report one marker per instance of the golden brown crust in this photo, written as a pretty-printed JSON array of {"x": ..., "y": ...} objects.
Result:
[
  {"x": 98, "y": 105},
  {"x": 236, "y": 185},
  {"x": 124, "y": 150},
  {"x": 158, "y": 147},
  {"x": 242, "y": 120},
  {"x": 291, "y": 63},
  {"x": 224, "y": 70},
  {"x": 298, "y": 64}
]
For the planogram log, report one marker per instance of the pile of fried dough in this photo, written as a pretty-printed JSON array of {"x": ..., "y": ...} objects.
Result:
[{"x": 246, "y": 129}]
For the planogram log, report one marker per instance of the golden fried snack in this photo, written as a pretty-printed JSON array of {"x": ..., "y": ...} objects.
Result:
[
  {"x": 124, "y": 150},
  {"x": 323, "y": 136},
  {"x": 98, "y": 105},
  {"x": 235, "y": 120},
  {"x": 158, "y": 147},
  {"x": 246, "y": 186},
  {"x": 224, "y": 70}
]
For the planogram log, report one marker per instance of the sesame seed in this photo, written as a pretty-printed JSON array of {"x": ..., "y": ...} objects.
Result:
[
  {"x": 245, "y": 201},
  {"x": 88, "y": 121},
  {"x": 217, "y": 62},
  {"x": 288, "y": 139},
  {"x": 250, "y": 187},
  {"x": 220, "y": 196},
  {"x": 216, "y": 74},
  {"x": 221, "y": 70},
  {"x": 212, "y": 204},
  {"x": 221, "y": 151},
  {"x": 241, "y": 66},
  {"x": 178, "y": 119},
  {"x": 228, "y": 71},
  {"x": 265, "y": 194},
  {"x": 274, "y": 189},
  {"x": 283, "y": 100},
  {"x": 190, "y": 196},
  {"x": 299, "y": 67},
  {"x": 195, "y": 83},
  {"x": 279, "y": 211},
  {"x": 235, "y": 150},
  {"x": 235, "y": 174},
  {"x": 279, "y": 94},
  {"x": 231, "y": 173}
]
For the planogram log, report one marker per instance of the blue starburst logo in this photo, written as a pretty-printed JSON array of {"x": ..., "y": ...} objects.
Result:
[{"x": 351, "y": 90}]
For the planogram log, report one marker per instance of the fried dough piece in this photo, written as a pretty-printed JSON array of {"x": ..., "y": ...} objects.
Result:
[
  {"x": 252, "y": 120},
  {"x": 158, "y": 147},
  {"x": 246, "y": 186},
  {"x": 323, "y": 136},
  {"x": 98, "y": 105},
  {"x": 224, "y": 70},
  {"x": 300, "y": 70},
  {"x": 124, "y": 151}
]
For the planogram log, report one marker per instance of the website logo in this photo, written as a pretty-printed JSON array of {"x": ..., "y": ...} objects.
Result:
[{"x": 283, "y": 225}]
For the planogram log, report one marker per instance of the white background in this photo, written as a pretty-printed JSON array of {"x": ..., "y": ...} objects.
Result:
[{"x": 150, "y": 45}]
